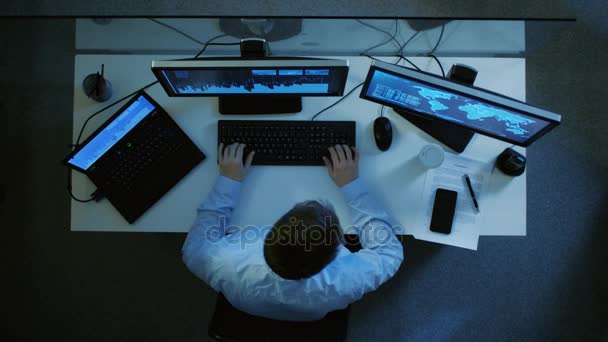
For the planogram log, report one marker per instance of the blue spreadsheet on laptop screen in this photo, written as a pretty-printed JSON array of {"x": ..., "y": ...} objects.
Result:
[{"x": 112, "y": 133}]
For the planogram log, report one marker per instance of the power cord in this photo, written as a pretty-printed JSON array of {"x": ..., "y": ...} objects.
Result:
[
  {"x": 209, "y": 42},
  {"x": 106, "y": 107},
  {"x": 382, "y": 110},
  {"x": 92, "y": 198},
  {"x": 408, "y": 41},
  {"x": 431, "y": 54},
  {"x": 438, "y": 63},
  {"x": 392, "y": 37},
  {"x": 335, "y": 103},
  {"x": 438, "y": 40},
  {"x": 176, "y": 30}
]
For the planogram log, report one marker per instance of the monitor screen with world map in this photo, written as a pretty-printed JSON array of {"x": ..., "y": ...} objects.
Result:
[{"x": 474, "y": 108}]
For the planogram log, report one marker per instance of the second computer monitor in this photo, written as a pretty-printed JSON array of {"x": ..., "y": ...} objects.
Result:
[{"x": 473, "y": 108}]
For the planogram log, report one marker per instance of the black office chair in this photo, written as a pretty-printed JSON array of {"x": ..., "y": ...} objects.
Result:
[{"x": 230, "y": 324}]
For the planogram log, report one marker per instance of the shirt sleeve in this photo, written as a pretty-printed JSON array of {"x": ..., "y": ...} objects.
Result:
[
  {"x": 382, "y": 253},
  {"x": 211, "y": 223}
]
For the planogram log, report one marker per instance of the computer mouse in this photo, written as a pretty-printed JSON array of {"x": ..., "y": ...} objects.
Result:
[
  {"x": 383, "y": 133},
  {"x": 511, "y": 162}
]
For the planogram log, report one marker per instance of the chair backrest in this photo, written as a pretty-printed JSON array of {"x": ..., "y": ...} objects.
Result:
[{"x": 230, "y": 324}]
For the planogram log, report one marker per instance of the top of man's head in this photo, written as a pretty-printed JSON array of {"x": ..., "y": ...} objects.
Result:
[{"x": 303, "y": 241}]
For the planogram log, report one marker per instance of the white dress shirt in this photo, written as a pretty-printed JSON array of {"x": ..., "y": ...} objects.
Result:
[{"x": 231, "y": 259}]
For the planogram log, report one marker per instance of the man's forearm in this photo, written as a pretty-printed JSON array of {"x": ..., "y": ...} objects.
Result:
[
  {"x": 382, "y": 253},
  {"x": 373, "y": 223},
  {"x": 367, "y": 213}
]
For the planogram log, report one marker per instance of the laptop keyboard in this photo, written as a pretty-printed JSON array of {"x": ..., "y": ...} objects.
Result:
[{"x": 138, "y": 152}]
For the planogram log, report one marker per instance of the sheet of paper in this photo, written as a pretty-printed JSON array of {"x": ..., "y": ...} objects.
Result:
[{"x": 450, "y": 175}]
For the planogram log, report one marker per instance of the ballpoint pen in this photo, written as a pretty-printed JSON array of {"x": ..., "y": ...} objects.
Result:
[{"x": 470, "y": 187}]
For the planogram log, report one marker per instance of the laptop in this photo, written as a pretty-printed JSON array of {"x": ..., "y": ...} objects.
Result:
[{"x": 136, "y": 156}]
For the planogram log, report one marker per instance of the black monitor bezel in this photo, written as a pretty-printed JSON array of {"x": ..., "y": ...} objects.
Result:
[
  {"x": 552, "y": 123},
  {"x": 342, "y": 69}
]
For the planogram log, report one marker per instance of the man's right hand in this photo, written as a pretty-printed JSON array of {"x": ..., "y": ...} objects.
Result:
[{"x": 343, "y": 167}]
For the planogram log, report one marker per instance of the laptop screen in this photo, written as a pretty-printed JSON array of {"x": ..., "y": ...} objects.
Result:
[{"x": 112, "y": 133}]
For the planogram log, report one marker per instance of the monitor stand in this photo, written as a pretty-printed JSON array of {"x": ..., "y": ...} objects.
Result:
[
  {"x": 263, "y": 104},
  {"x": 454, "y": 137}
]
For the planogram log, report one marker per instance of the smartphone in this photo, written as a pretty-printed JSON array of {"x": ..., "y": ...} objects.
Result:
[{"x": 443, "y": 211}]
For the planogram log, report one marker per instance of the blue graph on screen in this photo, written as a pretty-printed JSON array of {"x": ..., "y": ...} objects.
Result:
[
  {"x": 112, "y": 133},
  {"x": 245, "y": 81},
  {"x": 453, "y": 107}
]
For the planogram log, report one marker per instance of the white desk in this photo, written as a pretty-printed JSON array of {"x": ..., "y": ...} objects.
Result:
[{"x": 268, "y": 192}]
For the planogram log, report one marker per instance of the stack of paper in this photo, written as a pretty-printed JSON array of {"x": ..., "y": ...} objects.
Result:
[{"x": 467, "y": 223}]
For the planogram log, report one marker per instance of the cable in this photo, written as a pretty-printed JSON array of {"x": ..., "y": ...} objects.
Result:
[
  {"x": 438, "y": 63},
  {"x": 209, "y": 43},
  {"x": 194, "y": 39},
  {"x": 391, "y": 36},
  {"x": 106, "y": 107},
  {"x": 412, "y": 63},
  {"x": 438, "y": 40},
  {"x": 374, "y": 58},
  {"x": 401, "y": 47},
  {"x": 69, "y": 188},
  {"x": 399, "y": 60},
  {"x": 430, "y": 54},
  {"x": 176, "y": 30},
  {"x": 408, "y": 41},
  {"x": 379, "y": 60},
  {"x": 335, "y": 103}
]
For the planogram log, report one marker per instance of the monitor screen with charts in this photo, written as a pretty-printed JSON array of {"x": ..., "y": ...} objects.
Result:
[
  {"x": 474, "y": 108},
  {"x": 237, "y": 76}
]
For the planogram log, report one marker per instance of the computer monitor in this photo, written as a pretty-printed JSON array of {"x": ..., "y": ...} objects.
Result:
[
  {"x": 473, "y": 108},
  {"x": 253, "y": 86}
]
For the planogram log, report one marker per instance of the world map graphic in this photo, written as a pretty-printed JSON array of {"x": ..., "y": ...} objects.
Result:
[{"x": 449, "y": 106}]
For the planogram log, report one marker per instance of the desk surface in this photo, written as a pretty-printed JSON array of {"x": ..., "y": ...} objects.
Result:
[{"x": 395, "y": 176}]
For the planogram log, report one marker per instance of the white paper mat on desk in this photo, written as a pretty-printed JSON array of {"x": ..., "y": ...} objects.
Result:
[{"x": 450, "y": 175}]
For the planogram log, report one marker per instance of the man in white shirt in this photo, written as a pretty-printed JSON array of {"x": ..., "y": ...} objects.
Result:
[{"x": 297, "y": 269}]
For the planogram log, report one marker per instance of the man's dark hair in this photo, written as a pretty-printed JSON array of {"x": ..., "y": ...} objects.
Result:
[{"x": 303, "y": 241}]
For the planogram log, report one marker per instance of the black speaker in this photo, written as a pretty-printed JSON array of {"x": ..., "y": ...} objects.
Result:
[{"x": 463, "y": 74}]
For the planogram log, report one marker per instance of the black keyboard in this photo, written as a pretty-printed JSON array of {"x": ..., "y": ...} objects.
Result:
[{"x": 287, "y": 142}]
